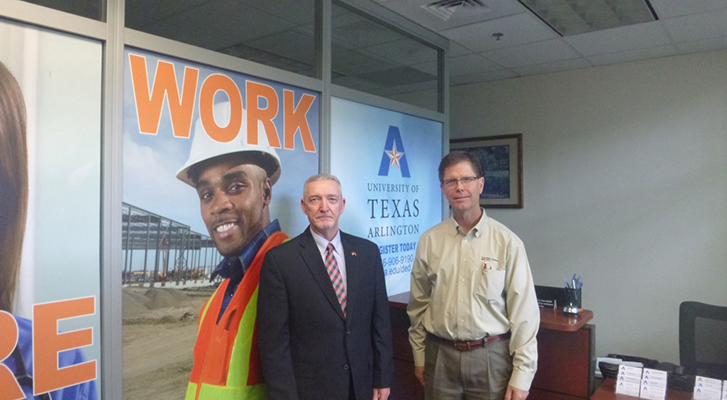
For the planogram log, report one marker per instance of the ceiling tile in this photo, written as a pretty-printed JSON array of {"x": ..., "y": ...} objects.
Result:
[
  {"x": 227, "y": 19},
  {"x": 546, "y": 68},
  {"x": 456, "y": 49},
  {"x": 354, "y": 62},
  {"x": 470, "y": 64},
  {"x": 532, "y": 53},
  {"x": 622, "y": 39},
  {"x": 703, "y": 45},
  {"x": 697, "y": 27},
  {"x": 516, "y": 29},
  {"x": 405, "y": 51},
  {"x": 160, "y": 9},
  {"x": 137, "y": 21},
  {"x": 429, "y": 67},
  {"x": 675, "y": 8},
  {"x": 354, "y": 31},
  {"x": 296, "y": 11},
  {"x": 189, "y": 36},
  {"x": 482, "y": 77},
  {"x": 289, "y": 44},
  {"x": 633, "y": 55}
]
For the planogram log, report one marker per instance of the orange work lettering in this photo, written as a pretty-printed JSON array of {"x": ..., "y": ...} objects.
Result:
[
  {"x": 253, "y": 93},
  {"x": 295, "y": 119},
  {"x": 149, "y": 103},
  {"x": 211, "y": 85}
]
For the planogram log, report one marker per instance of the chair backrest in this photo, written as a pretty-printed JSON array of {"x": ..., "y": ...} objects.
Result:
[{"x": 703, "y": 339}]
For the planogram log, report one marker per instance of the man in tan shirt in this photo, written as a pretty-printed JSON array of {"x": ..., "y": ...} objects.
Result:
[{"x": 473, "y": 311}]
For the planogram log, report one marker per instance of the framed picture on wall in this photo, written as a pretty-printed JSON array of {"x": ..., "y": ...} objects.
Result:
[{"x": 501, "y": 158}]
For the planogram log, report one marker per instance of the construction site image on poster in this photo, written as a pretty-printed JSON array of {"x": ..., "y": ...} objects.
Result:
[
  {"x": 174, "y": 112},
  {"x": 392, "y": 189},
  {"x": 50, "y": 202}
]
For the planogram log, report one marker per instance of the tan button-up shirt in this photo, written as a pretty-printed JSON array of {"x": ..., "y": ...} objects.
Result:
[{"x": 465, "y": 287}]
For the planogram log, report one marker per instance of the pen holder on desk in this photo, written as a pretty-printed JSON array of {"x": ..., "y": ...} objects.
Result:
[{"x": 572, "y": 301}]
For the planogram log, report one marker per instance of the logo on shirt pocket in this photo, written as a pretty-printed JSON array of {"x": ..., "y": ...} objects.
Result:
[{"x": 489, "y": 264}]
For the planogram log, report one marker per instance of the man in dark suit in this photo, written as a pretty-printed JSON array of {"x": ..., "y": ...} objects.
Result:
[{"x": 323, "y": 315}]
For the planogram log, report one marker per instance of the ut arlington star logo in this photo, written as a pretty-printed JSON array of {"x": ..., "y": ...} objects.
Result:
[{"x": 394, "y": 154}]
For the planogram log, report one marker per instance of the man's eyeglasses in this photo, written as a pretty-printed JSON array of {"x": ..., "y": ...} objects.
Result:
[{"x": 452, "y": 183}]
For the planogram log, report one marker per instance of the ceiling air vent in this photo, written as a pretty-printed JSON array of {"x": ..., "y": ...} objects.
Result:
[{"x": 446, "y": 9}]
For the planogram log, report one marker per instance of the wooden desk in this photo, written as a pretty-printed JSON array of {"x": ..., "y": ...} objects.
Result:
[
  {"x": 566, "y": 359},
  {"x": 566, "y": 356},
  {"x": 405, "y": 386},
  {"x": 554, "y": 319},
  {"x": 607, "y": 391}
]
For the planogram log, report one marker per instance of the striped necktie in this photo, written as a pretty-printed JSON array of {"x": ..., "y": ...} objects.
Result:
[{"x": 335, "y": 275}]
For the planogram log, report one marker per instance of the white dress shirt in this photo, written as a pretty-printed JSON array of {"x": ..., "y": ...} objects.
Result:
[{"x": 322, "y": 243}]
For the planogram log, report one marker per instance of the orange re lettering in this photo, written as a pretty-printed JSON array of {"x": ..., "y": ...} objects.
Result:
[
  {"x": 9, "y": 388},
  {"x": 48, "y": 343}
]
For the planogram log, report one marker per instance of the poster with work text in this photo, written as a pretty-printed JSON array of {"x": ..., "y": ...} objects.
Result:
[{"x": 172, "y": 110}]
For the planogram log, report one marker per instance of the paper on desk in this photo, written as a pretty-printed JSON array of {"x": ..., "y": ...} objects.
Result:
[
  {"x": 707, "y": 388},
  {"x": 629, "y": 380},
  {"x": 653, "y": 384}
]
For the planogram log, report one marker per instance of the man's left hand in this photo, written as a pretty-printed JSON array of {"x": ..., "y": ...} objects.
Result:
[
  {"x": 514, "y": 393},
  {"x": 383, "y": 394}
]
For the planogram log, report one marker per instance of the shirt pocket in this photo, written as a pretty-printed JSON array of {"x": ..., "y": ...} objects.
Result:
[{"x": 490, "y": 283}]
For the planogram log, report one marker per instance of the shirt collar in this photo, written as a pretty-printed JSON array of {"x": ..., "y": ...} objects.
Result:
[
  {"x": 228, "y": 268},
  {"x": 322, "y": 242},
  {"x": 477, "y": 229}
]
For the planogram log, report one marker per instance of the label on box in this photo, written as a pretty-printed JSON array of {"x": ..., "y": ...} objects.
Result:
[
  {"x": 653, "y": 384},
  {"x": 628, "y": 381},
  {"x": 707, "y": 388}
]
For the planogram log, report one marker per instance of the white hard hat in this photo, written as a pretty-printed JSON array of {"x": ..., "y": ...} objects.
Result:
[{"x": 205, "y": 148}]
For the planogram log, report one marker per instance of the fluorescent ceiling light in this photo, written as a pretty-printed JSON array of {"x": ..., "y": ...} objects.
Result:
[{"x": 572, "y": 17}]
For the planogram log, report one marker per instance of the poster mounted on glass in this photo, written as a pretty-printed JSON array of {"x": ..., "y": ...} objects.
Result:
[{"x": 501, "y": 158}]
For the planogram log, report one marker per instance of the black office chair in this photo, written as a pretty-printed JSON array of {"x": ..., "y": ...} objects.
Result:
[{"x": 703, "y": 339}]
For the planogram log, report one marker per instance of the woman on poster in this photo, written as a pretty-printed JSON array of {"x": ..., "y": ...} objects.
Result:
[{"x": 18, "y": 358}]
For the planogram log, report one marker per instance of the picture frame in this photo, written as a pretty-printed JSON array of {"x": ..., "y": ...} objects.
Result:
[{"x": 501, "y": 159}]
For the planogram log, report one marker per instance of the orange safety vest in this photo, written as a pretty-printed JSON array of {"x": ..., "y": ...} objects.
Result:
[{"x": 226, "y": 360}]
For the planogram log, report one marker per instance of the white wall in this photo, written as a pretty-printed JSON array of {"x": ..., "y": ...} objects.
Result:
[{"x": 625, "y": 183}]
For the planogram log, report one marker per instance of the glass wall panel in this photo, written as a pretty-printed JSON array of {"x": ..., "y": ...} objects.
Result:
[
  {"x": 375, "y": 58},
  {"x": 94, "y": 9},
  {"x": 278, "y": 33}
]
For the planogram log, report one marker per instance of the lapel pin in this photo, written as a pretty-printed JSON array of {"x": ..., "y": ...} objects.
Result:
[{"x": 353, "y": 253}]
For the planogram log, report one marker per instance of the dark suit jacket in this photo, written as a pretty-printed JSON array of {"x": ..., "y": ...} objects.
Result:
[{"x": 307, "y": 348}]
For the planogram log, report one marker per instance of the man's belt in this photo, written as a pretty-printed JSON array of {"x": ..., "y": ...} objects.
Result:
[{"x": 466, "y": 345}]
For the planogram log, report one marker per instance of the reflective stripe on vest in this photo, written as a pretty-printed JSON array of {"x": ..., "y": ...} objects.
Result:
[{"x": 226, "y": 363}]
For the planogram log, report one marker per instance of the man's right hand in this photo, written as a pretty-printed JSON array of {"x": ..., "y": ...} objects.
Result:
[{"x": 419, "y": 373}]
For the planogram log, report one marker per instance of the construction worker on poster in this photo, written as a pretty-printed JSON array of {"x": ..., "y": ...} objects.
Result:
[{"x": 234, "y": 183}]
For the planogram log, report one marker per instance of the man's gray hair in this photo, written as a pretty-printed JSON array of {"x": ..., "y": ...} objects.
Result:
[{"x": 321, "y": 177}]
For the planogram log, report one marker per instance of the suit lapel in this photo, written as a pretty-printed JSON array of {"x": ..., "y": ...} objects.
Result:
[{"x": 312, "y": 258}]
